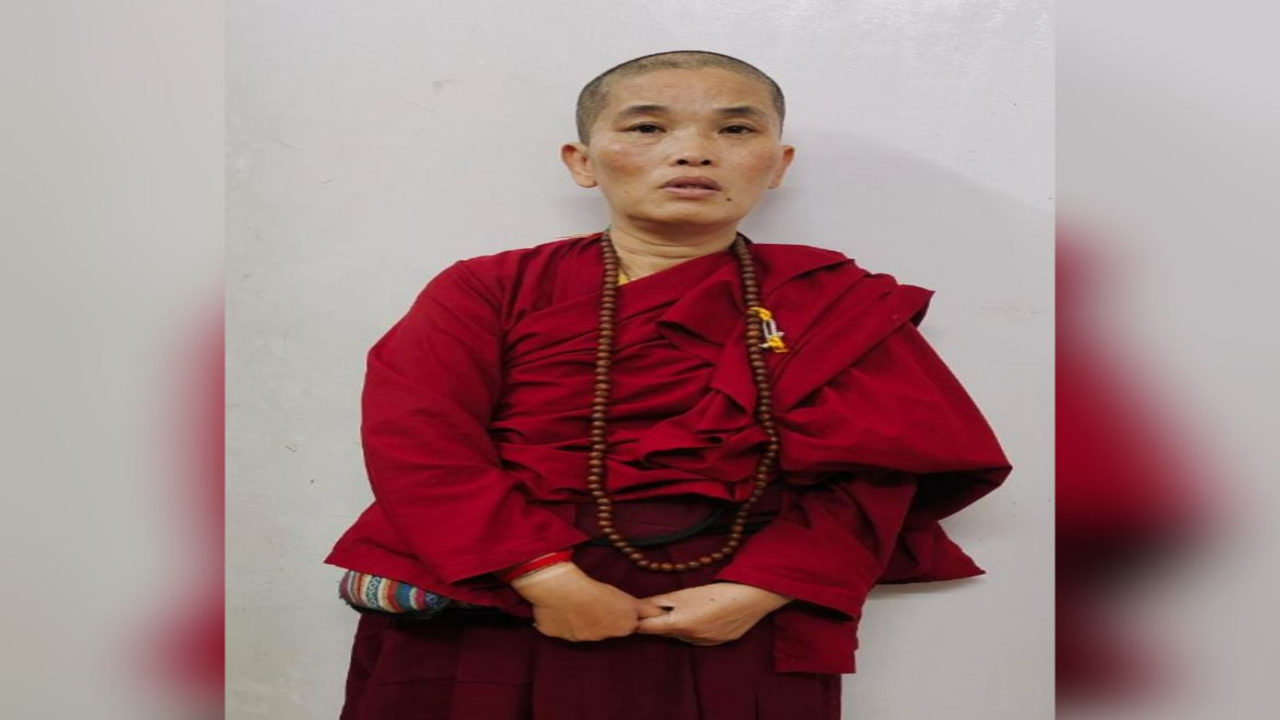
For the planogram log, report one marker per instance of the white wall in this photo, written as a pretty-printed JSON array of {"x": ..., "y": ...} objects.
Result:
[{"x": 372, "y": 144}]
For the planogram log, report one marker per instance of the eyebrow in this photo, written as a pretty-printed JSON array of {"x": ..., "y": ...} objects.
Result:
[{"x": 736, "y": 110}]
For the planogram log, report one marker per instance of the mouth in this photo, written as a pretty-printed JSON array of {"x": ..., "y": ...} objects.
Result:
[{"x": 692, "y": 187}]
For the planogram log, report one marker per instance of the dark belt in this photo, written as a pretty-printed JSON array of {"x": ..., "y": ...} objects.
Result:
[{"x": 709, "y": 525}]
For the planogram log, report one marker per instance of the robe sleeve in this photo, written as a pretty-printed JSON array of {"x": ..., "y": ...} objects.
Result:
[
  {"x": 830, "y": 543},
  {"x": 430, "y": 388},
  {"x": 888, "y": 446}
]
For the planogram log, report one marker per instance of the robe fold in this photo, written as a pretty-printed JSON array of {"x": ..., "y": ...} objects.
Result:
[{"x": 476, "y": 429}]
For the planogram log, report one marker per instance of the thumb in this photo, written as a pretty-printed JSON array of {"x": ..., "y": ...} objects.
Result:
[
  {"x": 646, "y": 608},
  {"x": 656, "y": 625}
]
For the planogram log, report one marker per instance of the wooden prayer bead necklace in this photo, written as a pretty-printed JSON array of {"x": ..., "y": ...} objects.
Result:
[{"x": 759, "y": 325}]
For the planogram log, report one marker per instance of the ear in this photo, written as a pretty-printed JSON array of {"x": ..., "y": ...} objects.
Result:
[
  {"x": 788, "y": 154},
  {"x": 575, "y": 156}
]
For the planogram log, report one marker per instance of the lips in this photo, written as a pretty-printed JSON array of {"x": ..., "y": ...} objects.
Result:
[{"x": 692, "y": 182}]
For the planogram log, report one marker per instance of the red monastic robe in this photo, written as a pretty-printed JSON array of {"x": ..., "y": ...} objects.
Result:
[{"x": 476, "y": 429}]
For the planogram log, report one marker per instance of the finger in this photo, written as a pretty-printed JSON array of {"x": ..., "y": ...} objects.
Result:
[
  {"x": 655, "y": 626},
  {"x": 650, "y": 610}
]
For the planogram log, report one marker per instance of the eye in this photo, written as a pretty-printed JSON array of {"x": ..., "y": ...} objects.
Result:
[
  {"x": 744, "y": 127},
  {"x": 644, "y": 125}
]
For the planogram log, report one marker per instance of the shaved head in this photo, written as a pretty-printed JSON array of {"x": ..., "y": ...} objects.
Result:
[{"x": 594, "y": 96}]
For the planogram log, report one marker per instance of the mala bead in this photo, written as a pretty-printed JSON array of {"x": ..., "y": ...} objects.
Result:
[{"x": 755, "y": 330}]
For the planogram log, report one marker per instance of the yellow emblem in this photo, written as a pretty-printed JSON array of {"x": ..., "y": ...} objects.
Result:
[{"x": 773, "y": 336}]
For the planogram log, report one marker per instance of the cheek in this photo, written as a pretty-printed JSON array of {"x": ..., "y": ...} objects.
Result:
[
  {"x": 760, "y": 165},
  {"x": 754, "y": 172},
  {"x": 622, "y": 161}
]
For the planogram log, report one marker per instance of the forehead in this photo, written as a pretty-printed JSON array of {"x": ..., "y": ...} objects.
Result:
[{"x": 686, "y": 89}]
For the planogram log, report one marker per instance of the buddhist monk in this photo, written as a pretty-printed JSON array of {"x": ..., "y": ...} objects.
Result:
[{"x": 654, "y": 468}]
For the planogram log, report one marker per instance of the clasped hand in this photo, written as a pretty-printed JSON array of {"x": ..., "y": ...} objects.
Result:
[
  {"x": 710, "y": 614},
  {"x": 572, "y": 606}
]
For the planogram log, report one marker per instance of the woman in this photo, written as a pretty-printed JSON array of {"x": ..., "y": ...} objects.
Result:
[{"x": 733, "y": 441}]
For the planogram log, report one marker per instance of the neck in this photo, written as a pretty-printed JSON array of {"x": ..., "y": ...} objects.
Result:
[{"x": 642, "y": 252}]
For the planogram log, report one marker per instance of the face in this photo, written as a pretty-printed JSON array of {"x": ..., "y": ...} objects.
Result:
[{"x": 665, "y": 124}]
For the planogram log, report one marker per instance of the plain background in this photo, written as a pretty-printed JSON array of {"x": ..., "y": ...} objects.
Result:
[{"x": 373, "y": 144}]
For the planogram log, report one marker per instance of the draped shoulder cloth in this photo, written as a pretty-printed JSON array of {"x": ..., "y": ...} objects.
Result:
[{"x": 475, "y": 428}]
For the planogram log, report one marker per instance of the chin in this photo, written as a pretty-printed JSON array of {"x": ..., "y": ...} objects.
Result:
[{"x": 692, "y": 217}]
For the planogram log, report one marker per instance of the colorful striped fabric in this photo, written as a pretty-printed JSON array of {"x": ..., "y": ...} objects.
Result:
[{"x": 371, "y": 592}]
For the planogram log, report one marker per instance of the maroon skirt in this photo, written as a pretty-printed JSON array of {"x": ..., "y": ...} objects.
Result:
[{"x": 502, "y": 668}]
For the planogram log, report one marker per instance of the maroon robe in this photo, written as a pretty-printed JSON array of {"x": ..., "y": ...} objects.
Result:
[{"x": 476, "y": 431}]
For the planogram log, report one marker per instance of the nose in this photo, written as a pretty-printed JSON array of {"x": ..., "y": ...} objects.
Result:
[{"x": 692, "y": 147}]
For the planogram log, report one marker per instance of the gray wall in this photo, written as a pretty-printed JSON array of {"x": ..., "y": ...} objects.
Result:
[{"x": 372, "y": 144}]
